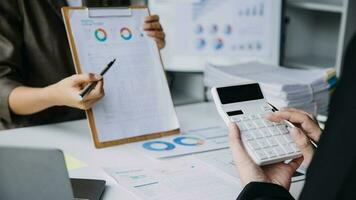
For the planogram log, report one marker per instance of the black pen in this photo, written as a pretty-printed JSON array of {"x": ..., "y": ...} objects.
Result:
[{"x": 91, "y": 85}]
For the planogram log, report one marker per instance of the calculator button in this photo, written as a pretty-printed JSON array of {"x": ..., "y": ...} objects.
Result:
[
  {"x": 295, "y": 148},
  {"x": 274, "y": 131},
  {"x": 272, "y": 141},
  {"x": 247, "y": 135},
  {"x": 270, "y": 153},
  {"x": 265, "y": 132},
  {"x": 250, "y": 125},
  {"x": 288, "y": 148},
  {"x": 254, "y": 116},
  {"x": 281, "y": 140},
  {"x": 266, "y": 107},
  {"x": 241, "y": 126},
  {"x": 263, "y": 115},
  {"x": 283, "y": 129},
  {"x": 288, "y": 138},
  {"x": 261, "y": 154},
  {"x": 236, "y": 119},
  {"x": 279, "y": 151},
  {"x": 244, "y": 118},
  {"x": 259, "y": 124},
  {"x": 275, "y": 123},
  {"x": 268, "y": 123},
  {"x": 263, "y": 143},
  {"x": 256, "y": 134},
  {"x": 253, "y": 144}
]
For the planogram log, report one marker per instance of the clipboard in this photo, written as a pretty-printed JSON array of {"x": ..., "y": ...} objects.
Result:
[{"x": 112, "y": 12}]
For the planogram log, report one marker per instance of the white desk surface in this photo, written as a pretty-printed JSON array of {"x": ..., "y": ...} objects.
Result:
[{"x": 74, "y": 138}]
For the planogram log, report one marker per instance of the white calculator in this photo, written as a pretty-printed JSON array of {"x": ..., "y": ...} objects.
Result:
[{"x": 266, "y": 142}]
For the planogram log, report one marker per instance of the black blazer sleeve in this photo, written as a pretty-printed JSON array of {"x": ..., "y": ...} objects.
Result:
[
  {"x": 10, "y": 54},
  {"x": 332, "y": 173},
  {"x": 264, "y": 191}
]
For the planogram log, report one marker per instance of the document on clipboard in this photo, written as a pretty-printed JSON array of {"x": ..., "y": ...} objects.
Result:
[{"x": 137, "y": 103}]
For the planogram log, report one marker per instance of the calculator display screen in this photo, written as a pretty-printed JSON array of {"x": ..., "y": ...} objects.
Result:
[
  {"x": 240, "y": 93},
  {"x": 234, "y": 113}
]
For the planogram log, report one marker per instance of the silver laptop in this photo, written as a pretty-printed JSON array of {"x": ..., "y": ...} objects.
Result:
[{"x": 41, "y": 174}]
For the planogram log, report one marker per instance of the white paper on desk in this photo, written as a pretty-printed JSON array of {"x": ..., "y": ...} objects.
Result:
[
  {"x": 137, "y": 99},
  {"x": 192, "y": 141},
  {"x": 179, "y": 179},
  {"x": 223, "y": 161}
]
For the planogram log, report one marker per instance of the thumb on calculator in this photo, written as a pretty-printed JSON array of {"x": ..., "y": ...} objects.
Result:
[{"x": 244, "y": 163}]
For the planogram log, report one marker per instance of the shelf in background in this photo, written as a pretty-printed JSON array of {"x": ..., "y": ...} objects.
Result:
[
  {"x": 310, "y": 62},
  {"x": 186, "y": 88},
  {"x": 182, "y": 98},
  {"x": 318, "y": 5}
]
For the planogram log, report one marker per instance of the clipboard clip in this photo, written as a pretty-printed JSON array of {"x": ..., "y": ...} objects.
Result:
[{"x": 97, "y": 12}]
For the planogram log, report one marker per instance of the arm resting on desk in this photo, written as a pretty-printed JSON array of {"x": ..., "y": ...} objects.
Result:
[{"x": 264, "y": 191}]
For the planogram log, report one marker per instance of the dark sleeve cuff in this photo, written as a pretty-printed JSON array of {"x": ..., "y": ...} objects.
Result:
[
  {"x": 6, "y": 88},
  {"x": 264, "y": 191}
]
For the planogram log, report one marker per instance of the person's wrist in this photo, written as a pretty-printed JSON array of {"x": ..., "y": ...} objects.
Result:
[{"x": 51, "y": 95}]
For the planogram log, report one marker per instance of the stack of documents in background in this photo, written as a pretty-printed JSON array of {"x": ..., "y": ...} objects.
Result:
[{"x": 306, "y": 89}]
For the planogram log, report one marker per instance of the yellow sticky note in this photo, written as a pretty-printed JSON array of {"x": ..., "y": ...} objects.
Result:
[{"x": 73, "y": 163}]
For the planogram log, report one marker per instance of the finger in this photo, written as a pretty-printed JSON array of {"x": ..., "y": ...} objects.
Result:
[
  {"x": 295, "y": 164},
  {"x": 156, "y": 34},
  {"x": 88, "y": 104},
  {"x": 85, "y": 78},
  {"x": 309, "y": 125},
  {"x": 299, "y": 111},
  {"x": 288, "y": 115},
  {"x": 152, "y": 26},
  {"x": 96, "y": 93},
  {"x": 160, "y": 43},
  {"x": 246, "y": 167},
  {"x": 151, "y": 18},
  {"x": 303, "y": 143}
]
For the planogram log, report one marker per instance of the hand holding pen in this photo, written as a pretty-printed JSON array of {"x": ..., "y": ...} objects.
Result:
[
  {"x": 86, "y": 90},
  {"x": 305, "y": 132},
  {"x": 68, "y": 91}
]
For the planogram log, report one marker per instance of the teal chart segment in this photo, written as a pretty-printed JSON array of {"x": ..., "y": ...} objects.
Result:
[{"x": 101, "y": 35}]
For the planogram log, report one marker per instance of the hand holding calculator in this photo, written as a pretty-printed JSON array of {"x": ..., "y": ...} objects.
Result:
[{"x": 266, "y": 142}]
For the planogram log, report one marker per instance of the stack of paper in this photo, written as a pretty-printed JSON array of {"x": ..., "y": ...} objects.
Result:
[{"x": 307, "y": 89}]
